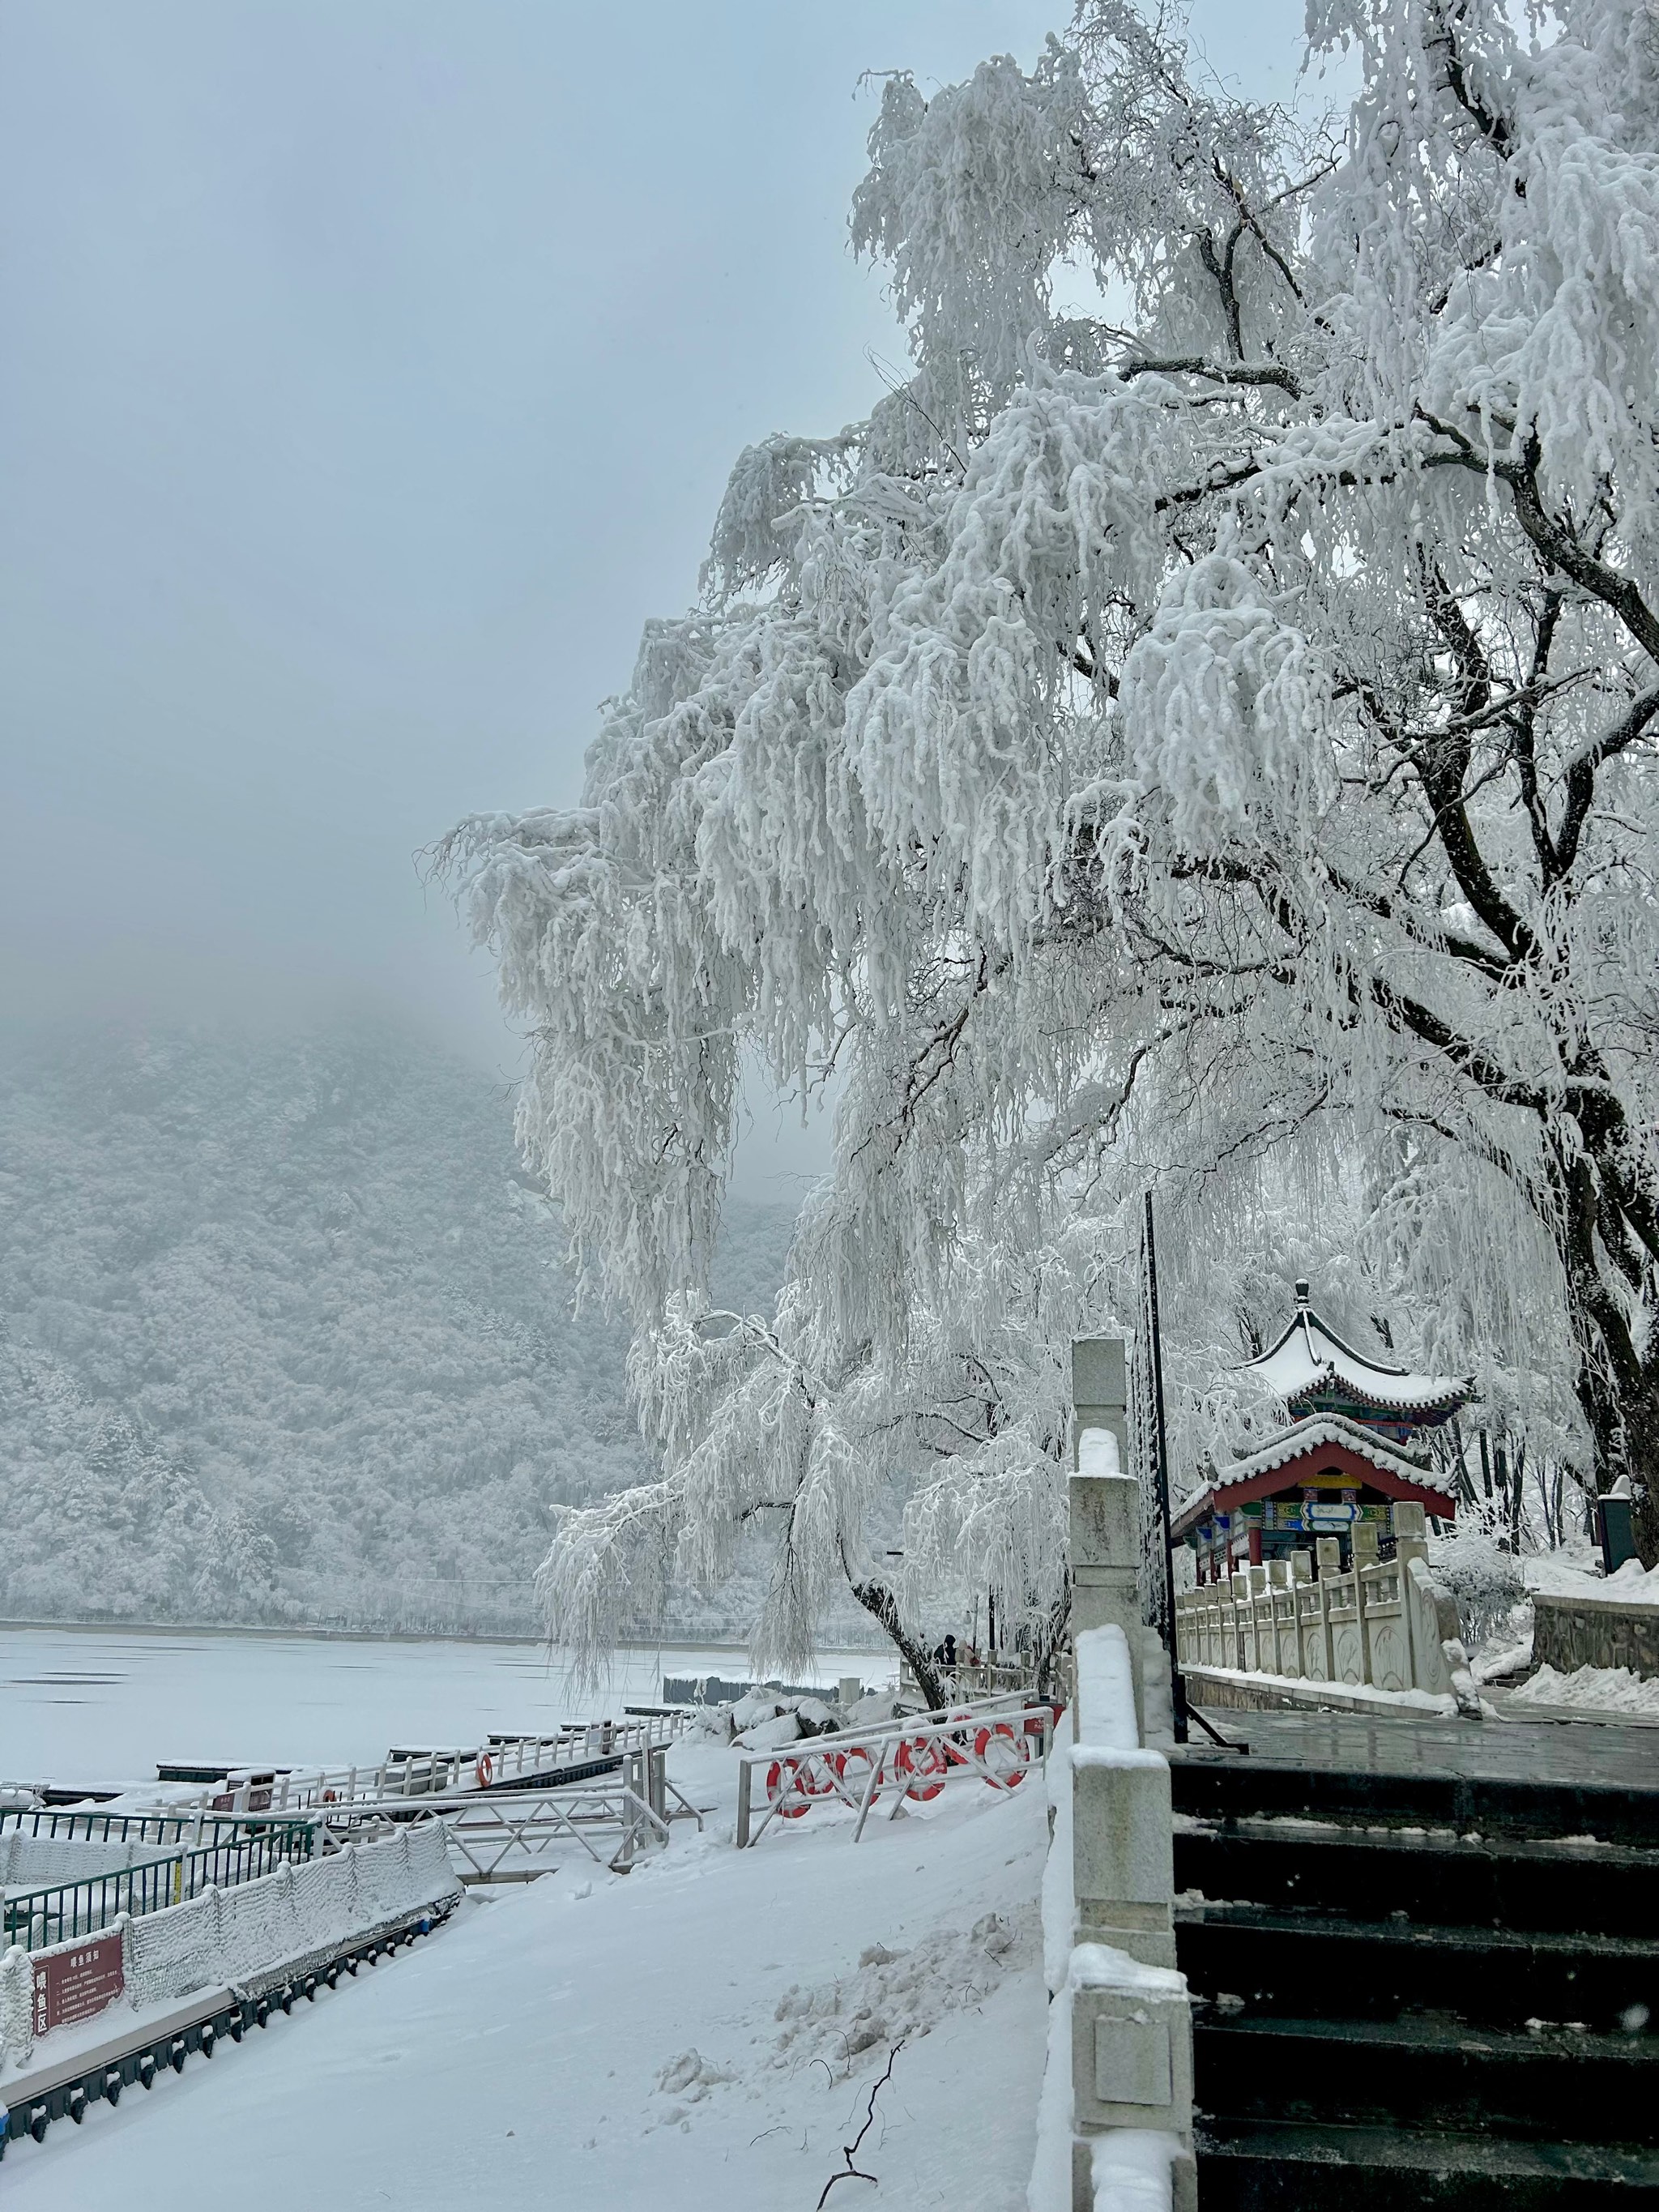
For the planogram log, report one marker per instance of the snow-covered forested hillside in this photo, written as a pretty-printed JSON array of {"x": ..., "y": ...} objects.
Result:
[{"x": 285, "y": 1333}]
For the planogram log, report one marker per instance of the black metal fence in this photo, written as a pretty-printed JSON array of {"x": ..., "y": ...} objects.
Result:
[{"x": 55, "y": 1914}]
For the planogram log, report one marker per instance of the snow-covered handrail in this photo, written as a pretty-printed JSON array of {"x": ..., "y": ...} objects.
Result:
[{"x": 1114, "y": 2125}]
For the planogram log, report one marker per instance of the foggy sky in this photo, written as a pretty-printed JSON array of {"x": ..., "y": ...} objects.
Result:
[{"x": 369, "y": 371}]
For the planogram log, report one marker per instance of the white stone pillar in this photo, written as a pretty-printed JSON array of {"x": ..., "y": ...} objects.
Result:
[{"x": 1105, "y": 1507}]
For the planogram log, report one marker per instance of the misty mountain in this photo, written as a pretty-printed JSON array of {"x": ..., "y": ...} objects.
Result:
[{"x": 285, "y": 1334}]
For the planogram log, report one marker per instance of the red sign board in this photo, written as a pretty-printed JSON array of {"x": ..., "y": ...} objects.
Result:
[{"x": 74, "y": 1985}]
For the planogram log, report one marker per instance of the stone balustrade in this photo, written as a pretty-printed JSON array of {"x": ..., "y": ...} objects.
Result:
[{"x": 1384, "y": 1625}]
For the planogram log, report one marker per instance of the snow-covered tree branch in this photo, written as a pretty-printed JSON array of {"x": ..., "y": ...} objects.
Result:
[{"x": 1171, "y": 741}]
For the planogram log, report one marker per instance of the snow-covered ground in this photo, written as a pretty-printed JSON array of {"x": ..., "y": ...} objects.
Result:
[
  {"x": 703, "y": 2034},
  {"x": 1578, "y": 1573},
  {"x": 1607, "y": 1692},
  {"x": 97, "y": 1706},
  {"x": 1614, "y": 1691}
]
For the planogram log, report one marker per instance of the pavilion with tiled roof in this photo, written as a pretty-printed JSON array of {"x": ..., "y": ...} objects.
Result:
[{"x": 1345, "y": 1457}]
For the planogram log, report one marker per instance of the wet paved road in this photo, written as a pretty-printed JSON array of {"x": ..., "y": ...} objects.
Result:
[{"x": 1572, "y": 1752}]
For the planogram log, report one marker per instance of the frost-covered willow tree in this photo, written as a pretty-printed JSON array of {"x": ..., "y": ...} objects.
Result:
[
  {"x": 921, "y": 1479},
  {"x": 1206, "y": 727}
]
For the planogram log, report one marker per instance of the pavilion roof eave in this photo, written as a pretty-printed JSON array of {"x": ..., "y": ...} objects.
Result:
[
  {"x": 1309, "y": 1355},
  {"x": 1316, "y": 1433}
]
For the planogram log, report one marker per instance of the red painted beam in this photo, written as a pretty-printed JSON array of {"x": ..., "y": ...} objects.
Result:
[{"x": 1296, "y": 1474}]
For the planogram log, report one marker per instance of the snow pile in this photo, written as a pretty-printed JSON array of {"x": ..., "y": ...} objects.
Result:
[
  {"x": 900, "y": 1994},
  {"x": 1631, "y": 1584},
  {"x": 875, "y": 1709},
  {"x": 1591, "y": 1690},
  {"x": 1508, "y": 1651},
  {"x": 758, "y": 1706},
  {"x": 1131, "y": 2170},
  {"x": 764, "y": 1721},
  {"x": 771, "y": 1734},
  {"x": 1565, "y": 1574},
  {"x": 690, "y": 2077},
  {"x": 896, "y": 1996}
]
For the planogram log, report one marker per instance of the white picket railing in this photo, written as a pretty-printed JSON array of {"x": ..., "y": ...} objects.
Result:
[
  {"x": 510, "y": 1762},
  {"x": 996, "y": 1739},
  {"x": 500, "y": 1835}
]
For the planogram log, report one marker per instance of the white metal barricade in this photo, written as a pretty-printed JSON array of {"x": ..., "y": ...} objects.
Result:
[{"x": 995, "y": 1738}]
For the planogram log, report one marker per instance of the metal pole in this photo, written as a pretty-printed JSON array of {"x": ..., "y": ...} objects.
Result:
[{"x": 1161, "y": 1472}]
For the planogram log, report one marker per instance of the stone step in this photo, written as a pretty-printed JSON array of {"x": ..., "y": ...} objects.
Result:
[
  {"x": 1286, "y": 1963},
  {"x": 1269, "y": 2167},
  {"x": 1432, "y": 2076},
  {"x": 1221, "y": 1788},
  {"x": 1443, "y": 1881}
]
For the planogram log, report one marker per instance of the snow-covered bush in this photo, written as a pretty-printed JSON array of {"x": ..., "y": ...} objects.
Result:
[{"x": 1486, "y": 1582}]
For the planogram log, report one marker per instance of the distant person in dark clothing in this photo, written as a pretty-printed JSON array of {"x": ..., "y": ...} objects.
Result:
[{"x": 945, "y": 1655}]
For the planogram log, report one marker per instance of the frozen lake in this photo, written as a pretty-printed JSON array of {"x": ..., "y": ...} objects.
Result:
[{"x": 79, "y": 1704}]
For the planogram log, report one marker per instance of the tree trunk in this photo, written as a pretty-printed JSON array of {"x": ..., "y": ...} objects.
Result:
[
  {"x": 1617, "y": 1386},
  {"x": 1051, "y": 1638},
  {"x": 1517, "y": 1495},
  {"x": 877, "y": 1600},
  {"x": 1622, "y": 1416},
  {"x": 1642, "y": 1446}
]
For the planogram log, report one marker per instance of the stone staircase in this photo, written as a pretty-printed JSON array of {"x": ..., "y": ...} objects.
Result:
[{"x": 1420, "y": 1988}]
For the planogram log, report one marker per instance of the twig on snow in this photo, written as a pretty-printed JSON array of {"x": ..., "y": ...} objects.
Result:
[{"x": 849, "y": 2151}]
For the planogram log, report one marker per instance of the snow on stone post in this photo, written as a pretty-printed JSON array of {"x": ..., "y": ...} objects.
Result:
[{"x": 1410, "y": 1534}]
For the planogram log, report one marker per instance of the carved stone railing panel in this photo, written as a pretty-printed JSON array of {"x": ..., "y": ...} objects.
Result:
[{"x": 1383, "y": 1625}]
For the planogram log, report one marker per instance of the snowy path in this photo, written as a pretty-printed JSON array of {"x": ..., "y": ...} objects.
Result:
[{"x": 515, "y": 2059}]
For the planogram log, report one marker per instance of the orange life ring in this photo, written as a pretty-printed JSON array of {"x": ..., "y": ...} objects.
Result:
[
  {"x": 924, "y": 1757},
  {"x": 485, "y": 1770},
  {"x": 1006, "y": 1771},
  {"x": 783, "y": 1790},
  {"x": 854, "y": 1768},
  {"x": 816, "y": 1775}
]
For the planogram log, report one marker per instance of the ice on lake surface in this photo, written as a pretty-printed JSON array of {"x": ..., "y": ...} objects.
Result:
[{"x": 91, "y": 1705}]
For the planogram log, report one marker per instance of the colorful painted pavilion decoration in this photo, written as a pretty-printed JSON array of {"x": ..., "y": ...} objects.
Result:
[{"x": 1353, "y": 1445}]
